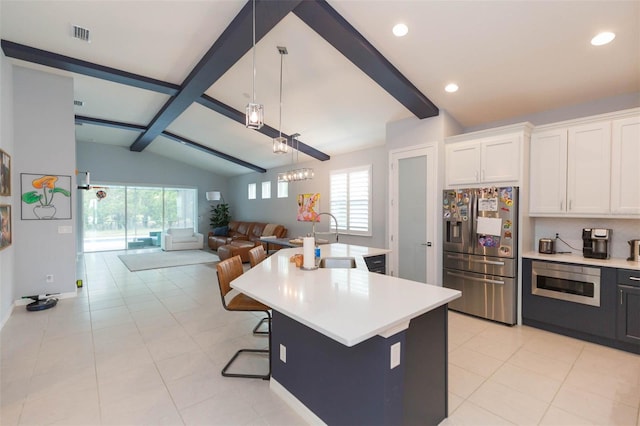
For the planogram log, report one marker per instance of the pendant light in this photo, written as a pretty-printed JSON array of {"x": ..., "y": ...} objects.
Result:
[
  {"x": 294, "y": 175},
  {"x": 280, "y": 144},
  {"x": 254, "y": 111}
]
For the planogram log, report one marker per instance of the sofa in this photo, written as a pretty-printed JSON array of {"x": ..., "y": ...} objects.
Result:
[
  {"x": 242, "y": 237},
  {"x": 182, "y": 239}
]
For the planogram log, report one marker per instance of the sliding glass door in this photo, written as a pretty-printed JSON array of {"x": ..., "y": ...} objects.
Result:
[
  {"x": 134, "y": 217},
  {"x": 104, "y": 218}
]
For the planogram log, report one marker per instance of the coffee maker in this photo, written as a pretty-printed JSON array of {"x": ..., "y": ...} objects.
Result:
[{"x": 595, "y": 243}]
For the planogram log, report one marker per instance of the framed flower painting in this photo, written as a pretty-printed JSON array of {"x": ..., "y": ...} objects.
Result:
[{"x": 45, "y": 197}]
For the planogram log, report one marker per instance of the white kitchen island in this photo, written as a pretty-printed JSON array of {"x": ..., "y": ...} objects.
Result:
[{"x": 361, "y": 348}]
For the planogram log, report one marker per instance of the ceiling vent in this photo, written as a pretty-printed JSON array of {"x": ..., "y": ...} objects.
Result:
[
  {"x": 81, "y": 33},
  {"x": 78, "y": 103}
]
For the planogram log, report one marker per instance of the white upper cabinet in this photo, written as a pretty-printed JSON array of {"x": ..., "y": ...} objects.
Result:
[
  {"x": 589, "y": 168},
  {"x": 463, "y": 163},
  {"x": 486, "y": 157},
  {"x": 625, "y": 166},
  {"x": 548, "y": 171},
  {"x": 586, "y": 168}
]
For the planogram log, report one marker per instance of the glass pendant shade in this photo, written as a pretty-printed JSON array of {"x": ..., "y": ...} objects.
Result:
[
  {"x": 280, "y": 145},
  {"x": 296, "y": 175},
  {"x": 254, "y": 116}
]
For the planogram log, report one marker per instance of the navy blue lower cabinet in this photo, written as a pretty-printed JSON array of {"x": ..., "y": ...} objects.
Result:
[
  {"x": 356, "y": 385},
  {"x": 597, "y": 324}
]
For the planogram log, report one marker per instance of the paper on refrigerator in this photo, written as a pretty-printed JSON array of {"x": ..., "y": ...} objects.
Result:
[{"x": 489, "y": 226}]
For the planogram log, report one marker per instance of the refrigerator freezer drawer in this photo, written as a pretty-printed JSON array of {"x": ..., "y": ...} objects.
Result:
[
  {"x": 486, "y": 296},
  {"x": 504, "y": 267}
]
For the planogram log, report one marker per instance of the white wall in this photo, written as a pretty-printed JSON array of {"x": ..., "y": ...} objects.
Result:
[
  {"x": 44, "y": 143},
  {"x": 7, "y": 284}
]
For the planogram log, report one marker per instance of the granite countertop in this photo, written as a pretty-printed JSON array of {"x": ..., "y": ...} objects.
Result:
[
  {"x": 579, "y": 259},
  {"x": 347, "y": 305}
]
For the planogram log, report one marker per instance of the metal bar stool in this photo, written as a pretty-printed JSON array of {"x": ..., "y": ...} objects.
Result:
[{"x": 227, "y": 271}]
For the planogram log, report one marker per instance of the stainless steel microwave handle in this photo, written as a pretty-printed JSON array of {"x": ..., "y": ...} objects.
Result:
[
  {"x": 634, "y": 278},
  {"x": 484, "y": 280},
  {"x": 488, "y": 262}
]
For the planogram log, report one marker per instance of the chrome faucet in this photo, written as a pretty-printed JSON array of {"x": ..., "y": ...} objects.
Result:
[{"x": 314, "y": 224}]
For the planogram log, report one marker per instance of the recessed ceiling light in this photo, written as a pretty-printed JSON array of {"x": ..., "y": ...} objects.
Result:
[
  {"x": 451, "y": 87},
  {"x": 603, "y": 38},
  {"x": 400, "y": 30}
]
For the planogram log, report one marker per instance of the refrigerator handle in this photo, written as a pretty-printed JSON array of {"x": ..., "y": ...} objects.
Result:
[
  {"x": 473, "y": 199},
  {"x": 466, "y": 277}
]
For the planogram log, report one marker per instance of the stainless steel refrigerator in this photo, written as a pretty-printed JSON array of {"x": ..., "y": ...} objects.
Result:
[{"x": 480, "y": 250}]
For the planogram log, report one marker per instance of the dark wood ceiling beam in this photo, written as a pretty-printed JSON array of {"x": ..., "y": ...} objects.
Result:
[
  {"x": 234, "y": 114},
  {"x": 331, "y": 26},
  {"x": 235, "y": 41},
  {"x": 212, "y": 151},
  {"x": 81, "y": 119},
  {"x": 67, "y": 63}
]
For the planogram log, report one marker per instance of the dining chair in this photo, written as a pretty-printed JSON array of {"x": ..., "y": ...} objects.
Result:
[{"x": 228, "y": 270}]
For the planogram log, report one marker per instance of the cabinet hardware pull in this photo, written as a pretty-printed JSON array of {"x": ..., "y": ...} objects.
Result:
[
  {"x": 634, "y": 278},
  {"x": 621, "y": 297},
  {"x": 561, "y": 203}
]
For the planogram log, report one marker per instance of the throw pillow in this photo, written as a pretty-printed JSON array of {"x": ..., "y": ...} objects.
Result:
[{"x": 221, "y": 231}]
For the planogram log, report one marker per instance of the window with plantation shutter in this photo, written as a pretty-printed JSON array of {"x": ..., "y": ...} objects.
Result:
[{"x": 350, "y": 199}]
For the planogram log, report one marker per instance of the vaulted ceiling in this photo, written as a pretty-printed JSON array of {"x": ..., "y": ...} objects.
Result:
[{"x": 173, "y": 77}]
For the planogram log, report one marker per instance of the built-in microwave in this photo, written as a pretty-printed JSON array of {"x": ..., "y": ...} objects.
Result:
[{"x": 573, "y": 283}]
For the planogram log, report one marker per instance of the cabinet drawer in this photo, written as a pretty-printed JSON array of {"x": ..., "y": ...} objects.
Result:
[{"x": 629, "y": 277}]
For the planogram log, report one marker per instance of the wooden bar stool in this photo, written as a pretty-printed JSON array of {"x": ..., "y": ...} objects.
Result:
[{"x": 227, "y": 271}]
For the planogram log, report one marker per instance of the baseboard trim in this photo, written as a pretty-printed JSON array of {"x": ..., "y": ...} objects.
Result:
[{"x": 293, "y": 402}]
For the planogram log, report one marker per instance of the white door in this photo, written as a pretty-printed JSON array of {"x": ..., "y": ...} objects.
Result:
[{"x": 412, "y": 212}]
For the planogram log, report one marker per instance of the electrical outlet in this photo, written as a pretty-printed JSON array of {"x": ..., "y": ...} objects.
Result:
[
  {"x": 49, "y": 278},
  {"x": 395, "y": 355},
  {"x": 283, "y": 353}
]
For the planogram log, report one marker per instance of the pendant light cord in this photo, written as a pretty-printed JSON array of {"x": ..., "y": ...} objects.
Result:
[
  {"x": 253, "y": 88},
  {"x": 280, "y": 123}
]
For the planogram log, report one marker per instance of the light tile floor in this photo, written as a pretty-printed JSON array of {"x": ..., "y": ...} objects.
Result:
[{"x": 147, "y": 348}]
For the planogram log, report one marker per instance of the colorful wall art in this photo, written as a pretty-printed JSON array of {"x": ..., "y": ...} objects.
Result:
[
  {"x": 45, "y": 196},
  {"x": 308, "y": 207},
  {"x": 5, "y": 226},
  {"x": 5, "y": 173}
]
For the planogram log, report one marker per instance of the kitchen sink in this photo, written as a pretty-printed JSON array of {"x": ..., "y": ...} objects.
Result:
[{"x": 337, "y": 262}]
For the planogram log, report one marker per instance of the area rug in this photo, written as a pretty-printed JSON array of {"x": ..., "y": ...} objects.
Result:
[{"x": 166, "y": 259}]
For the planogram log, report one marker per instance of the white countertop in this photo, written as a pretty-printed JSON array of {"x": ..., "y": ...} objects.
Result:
[
  {"x": 579, "y": 259},
  {"x": 347, "y": 305}
]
